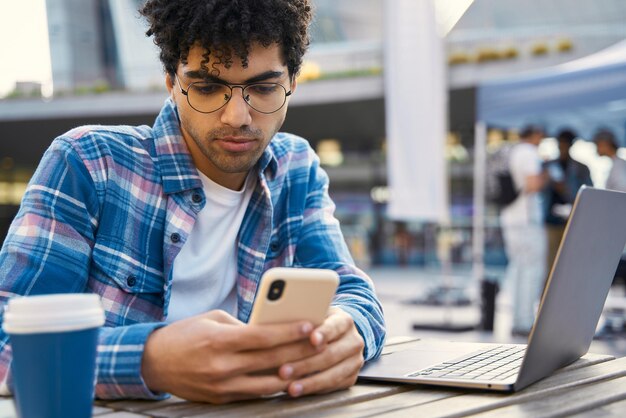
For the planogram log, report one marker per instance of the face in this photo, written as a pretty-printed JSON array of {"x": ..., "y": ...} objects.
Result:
[
  {"x": 536, "y": 138},
  {"x": 564, "y": 149},
  {"x": 227, "y": 143},
  {"x": 604, "y": 149}
]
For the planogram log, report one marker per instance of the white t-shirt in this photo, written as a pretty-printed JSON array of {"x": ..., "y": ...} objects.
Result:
[
  {"x": 524, "y": 161},
  {"x": 205, "y": 270}
]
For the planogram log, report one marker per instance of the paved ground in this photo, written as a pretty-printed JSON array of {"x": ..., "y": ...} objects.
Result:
[{"x": 399, "y": 288}]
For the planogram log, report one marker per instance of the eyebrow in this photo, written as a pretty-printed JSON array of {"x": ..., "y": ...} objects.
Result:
[{"x": 267, "y": 75}]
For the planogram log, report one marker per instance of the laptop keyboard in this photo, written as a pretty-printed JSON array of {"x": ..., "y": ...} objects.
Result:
[{"x": 496, "y": 363}]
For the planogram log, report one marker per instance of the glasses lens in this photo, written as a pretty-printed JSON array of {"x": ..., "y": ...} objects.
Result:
[
  {"x": 265, "y": 97},
  {"x": 262, "y": 97},
  {"x": 208, "y": 97}
]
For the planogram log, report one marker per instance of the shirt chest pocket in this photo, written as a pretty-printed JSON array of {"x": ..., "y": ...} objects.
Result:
[
  {"x": 131, "y": 288},
  {"x": 125, "y": 270}
]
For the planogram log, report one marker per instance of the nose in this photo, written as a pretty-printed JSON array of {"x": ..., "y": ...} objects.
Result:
[{"x": 236, "y": 113}]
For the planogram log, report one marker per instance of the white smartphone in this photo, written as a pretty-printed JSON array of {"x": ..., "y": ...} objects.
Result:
[{"x": 294, "y": 294}]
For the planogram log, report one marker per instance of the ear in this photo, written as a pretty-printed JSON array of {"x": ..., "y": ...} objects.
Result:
[
  {"x": 294, "y": 84},
  {"x": 169, "y": 83}
]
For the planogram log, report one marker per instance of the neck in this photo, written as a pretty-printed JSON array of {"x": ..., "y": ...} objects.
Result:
[{"x": 233, "y": 181}]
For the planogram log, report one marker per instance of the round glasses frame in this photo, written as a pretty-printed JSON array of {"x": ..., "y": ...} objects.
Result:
[{"x": 243, "y": 88}]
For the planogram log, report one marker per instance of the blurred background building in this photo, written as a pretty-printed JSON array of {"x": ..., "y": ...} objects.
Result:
[{"x": 104, "y": 70}]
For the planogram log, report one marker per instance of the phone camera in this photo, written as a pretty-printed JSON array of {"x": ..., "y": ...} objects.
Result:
[{"x": 276, "y": 290}]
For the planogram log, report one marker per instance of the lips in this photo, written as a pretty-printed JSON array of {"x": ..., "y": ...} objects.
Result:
[{"x": 236, "y": 144}]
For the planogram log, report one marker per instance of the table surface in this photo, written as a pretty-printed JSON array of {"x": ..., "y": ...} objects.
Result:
[{"x": 593, "y": 386}]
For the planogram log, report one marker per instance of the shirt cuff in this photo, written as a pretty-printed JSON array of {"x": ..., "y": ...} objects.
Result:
[
  {"x": 373, "y": 343},
  {"x": 120, "y": 351}
]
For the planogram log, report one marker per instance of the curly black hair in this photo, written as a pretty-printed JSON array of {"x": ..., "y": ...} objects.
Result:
[{"x": 227, "y": 28}]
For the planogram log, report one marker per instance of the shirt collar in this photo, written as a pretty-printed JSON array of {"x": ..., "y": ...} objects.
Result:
[
  {"x": 178, "y": 171},
  {"x": 268, "y": 161}
]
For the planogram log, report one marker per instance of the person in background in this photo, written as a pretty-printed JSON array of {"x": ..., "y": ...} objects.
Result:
[
  {"x": 606, "y": 145},
  {"x": 523, "y": 229},
  {"x": 565, "y": 177},
  {"x": 173, "y": 225},
  {"x": 403, "y": 243}
]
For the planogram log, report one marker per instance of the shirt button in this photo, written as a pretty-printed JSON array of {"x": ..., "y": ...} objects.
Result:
[
  {"x": 175, "y": 237},
  {"x": 274, "y": 246},
  {"x": 131, "y": 281},
  {"x": 196, "y": 198}
]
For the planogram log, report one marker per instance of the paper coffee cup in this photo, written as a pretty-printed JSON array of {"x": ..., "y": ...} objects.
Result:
[{"x": 54, "y": 340}]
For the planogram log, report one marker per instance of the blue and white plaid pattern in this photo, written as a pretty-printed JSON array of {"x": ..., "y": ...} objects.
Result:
[{"x": 109, "y": 208}]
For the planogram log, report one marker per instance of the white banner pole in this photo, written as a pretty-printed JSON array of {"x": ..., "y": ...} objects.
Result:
[{"x": 478, "y": 217}]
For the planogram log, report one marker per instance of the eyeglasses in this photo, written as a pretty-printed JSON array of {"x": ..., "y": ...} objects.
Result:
[{"x": 210, "y": 97}]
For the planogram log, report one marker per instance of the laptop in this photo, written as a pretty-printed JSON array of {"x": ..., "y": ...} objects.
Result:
[{"x": 572, "y": 301}]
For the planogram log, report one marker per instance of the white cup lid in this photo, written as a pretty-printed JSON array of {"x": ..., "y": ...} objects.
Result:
[{"x": 53, "y": 313}]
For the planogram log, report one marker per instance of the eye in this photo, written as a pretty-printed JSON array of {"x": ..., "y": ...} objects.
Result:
[
  {"x": 208, "y": 89},
  {"x": 263, "y": 89}
]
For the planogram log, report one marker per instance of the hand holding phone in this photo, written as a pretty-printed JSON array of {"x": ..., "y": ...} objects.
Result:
[{"x": 294, "y": 294}]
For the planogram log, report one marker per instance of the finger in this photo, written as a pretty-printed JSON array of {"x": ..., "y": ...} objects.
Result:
[
  {"x": 247, "y": 385},
  {"x": 340, "y": 376},
  {"x": 334, "y": 353},
  {"x": 222, "y": 317},
  {"x": 335, "y": 325},
  {"x": 250, "y": 337},
  {"x": 272, "y": 358},
  {"x": 236, "y": 388},
  {"x": 347, "y": 383}
]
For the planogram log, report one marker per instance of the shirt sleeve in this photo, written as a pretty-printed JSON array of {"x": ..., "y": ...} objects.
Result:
[
  {"x": 321, "y": 245},
  {"x": 48, "y": 250},
  {"x": 118, "y": 362}
]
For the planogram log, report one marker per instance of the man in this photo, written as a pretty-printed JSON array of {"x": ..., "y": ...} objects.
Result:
[
  {"x": 523, "y": 230},
  {"x": 174, "y": 225},
  {"x": 565, "y": 177},
  {"x": 606, "y": 145}
]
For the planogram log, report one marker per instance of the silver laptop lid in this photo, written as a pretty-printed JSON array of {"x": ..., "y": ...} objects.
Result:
[{"x": 578, "y": 284}]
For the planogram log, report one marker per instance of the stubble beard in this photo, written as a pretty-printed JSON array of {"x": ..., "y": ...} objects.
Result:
[
  {"x": 228, "y": 162},
  {"x": 223, "y": 160}
]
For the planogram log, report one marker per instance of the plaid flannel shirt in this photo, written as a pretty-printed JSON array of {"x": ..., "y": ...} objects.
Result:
[{"x": 109, "y": 208}]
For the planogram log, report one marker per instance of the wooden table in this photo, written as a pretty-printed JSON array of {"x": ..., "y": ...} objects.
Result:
[{"x": 594, "y": 386}]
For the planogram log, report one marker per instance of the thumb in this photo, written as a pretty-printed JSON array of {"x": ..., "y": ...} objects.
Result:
[{"x": 222, "y": 317}]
